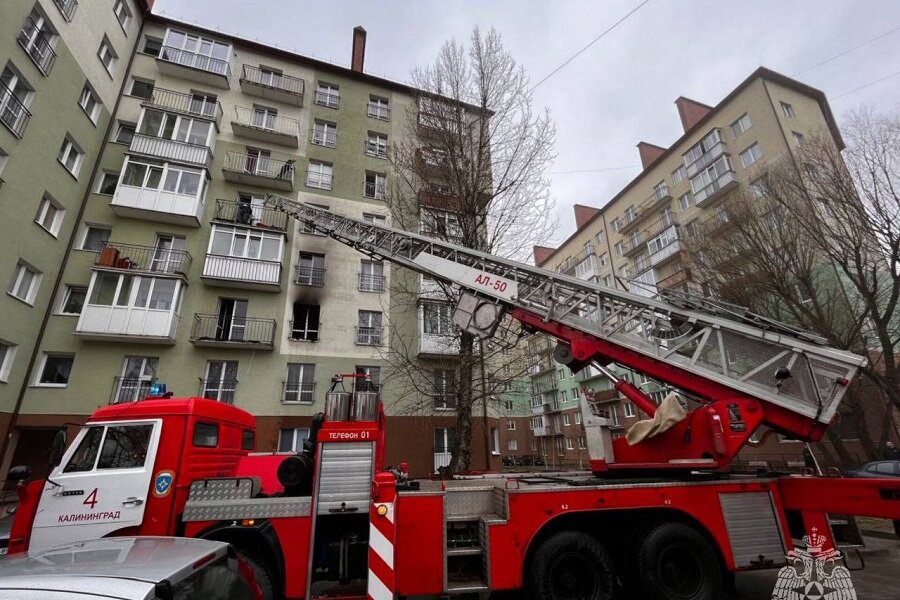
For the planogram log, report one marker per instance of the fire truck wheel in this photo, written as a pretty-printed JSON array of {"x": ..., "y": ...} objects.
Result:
[
  {"x": 263, "y": 576},
  {"x": 571, "y": 565},
  {"x": 674, "y": 561}
]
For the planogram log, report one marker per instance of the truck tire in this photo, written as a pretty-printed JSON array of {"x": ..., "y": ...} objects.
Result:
[
  {"x": 673, "y": 561},
  {"x": 570, "y": 565},
  {"x": 262, "y": 573}
]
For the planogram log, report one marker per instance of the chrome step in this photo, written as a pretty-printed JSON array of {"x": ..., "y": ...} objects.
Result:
[
  {"x": 466, "y": 587},
  {"x": 466, "y": 551}
]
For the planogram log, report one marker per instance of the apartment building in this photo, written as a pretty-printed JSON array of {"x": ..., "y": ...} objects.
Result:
[
  {"x": 178, "y": 272},
  {"x": 62, "y": 66},
  {"x": 635, "y": 240}
]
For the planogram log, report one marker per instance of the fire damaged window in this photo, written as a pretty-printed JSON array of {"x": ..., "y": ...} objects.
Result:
[
  {"x": 125, "y": 447},
  {"x": 206, "y": 435}
]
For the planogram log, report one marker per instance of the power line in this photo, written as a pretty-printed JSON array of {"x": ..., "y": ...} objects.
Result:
[
  {"x": 848, "y": 51},
  {"x": 594, "y": 41},
  {"x": 604, "y": 169},
  {"x": 862, "y": 87}
]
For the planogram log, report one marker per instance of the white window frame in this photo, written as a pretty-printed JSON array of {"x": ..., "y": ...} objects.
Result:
[
  {"x": 18, "y": 277},
  {"x": 377, "y": 144},
  {"x": 328, "y": 94},
  {"x": 570, "y": 444},
  {"x": 19, "y": 89},
  {"x": 176, "y": 129},
  {"x": 247, "y": 234},
  {"x": 443, "y": 319},
  {"x": 324, "y": 175},
  {"x": 296, "y": 440},
  {"x": 165, "y": 170},
  {"x": 379, "y": 185},
  {"x": 65, "y": 152},
  {"x": 753, "y": 152},
  {"x": 135, "y": 80},
  {"x": 128, "y": 297},
  {"x": 629, "y": 409},
  {"x": 102, "y": 178},
  {"x": 378, "y": 107},
  {"x": 123, "y": 14},
  {"x": 86, "y": 231},
  {"x": 324, "y": 134},
  {"x": 567, "y": 420},
  {"x": 221, "y": 381},
  {"x": 43, "y": 364},
  {"x": 512, "y": 445},
  {"x": 47, "y": 202},
  {"x": 788, "y": 110},
  {"x": 679, "y": 175},
  {"x": 510, "y": 425},
  {"x": 799, "y": 138},
  {"x": 301, "y": 379},
  {"x": 685, "y": 201},
  {"x": 741, "y": 125},
  {"x": 375, "y": 219},
  {"x": 107, "y": 55},
  {"x": 88, "y": 95},
  {"x": 197, "y": 42},
  {"x": 7, "y": 359},
  {"x": 578, "y": 418},
  {"x": 64, "y": 299}
]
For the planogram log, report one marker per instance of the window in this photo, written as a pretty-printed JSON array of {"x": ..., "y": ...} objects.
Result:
[
  {"x": 152, "y": 45},
  {"x": 38, "y": 38},
  {"x": 15, "y": 96},
  {"x": 567, "y": 420},
  {"x": 512, "y": 445},
  {"x": 607, "y": 281},
  {"x": 130, "y": 291},
  {"x": 578, "y": 418},
  {"x": 510, "y": 405},
  {"x": 153, "y": 175},
  {"x": 328, "y": 95},
  {"x": 378, "y": 108},
  {"x": 108, "y": 183},
  {"x": 66, "y": 7},
  {"x": 125, "y": 447},
  {"x": 124, "y": 133},
  {"x": 371, "y": 276},
  {"x": 55, "y": 369},
  {"x": 25, "y": 283},
  {"x": 206, "y": 435},
  {"x": 685, "y": 201},
  {"x": 758, "y": 188},
  {"x": 582, "y": 443},
  {"x": 107, "y": 55},
  {"x": 603, "y": 260},
  {"x": 324, "y": 134},
  {"x": 291, "y": 440},
  {"x": 299, "y": 385},
  {"x": 704, "y": 147},
  {"x": 89, "y": 103},
  {"x": 614, "y": 415},
  {"x": 49, "y": 215},
  {"x": 94, "y": 238},
  {"x": 196, "y": 52},
  {"x": 368, "y": 329},
  {"x": 170, "y": 126},
  {"x": 245, "y": 243},
  {"x": 510, "y": 425},
  {"x": 741, "y": 125},
  {"x": 86, "y": 454},
  {"x": 305, "y": 326},
  {"x": 374, "y": 375},
  {"x": 374, "y": 186},
  {"x": 319, "y": 175},
  {"x": 142, "y": 88},
  {"x": 444, "y": 389},
  {"x": 375, "y": 219},
  {"x": 750, "y": 155},
  {"x": 692, "y": 228},
  {"x": 437, "y": 318},
  {"x": 678, "y": 175},
  {"x": 376, "y": 145},
  {"x": 570, "y": 444},
  {"x": 788, "y": 110},
  {"x": 270, "y": 77},
  {"x": 799, "y": 138},
  {"x": 220, "y": 381},
  {"x": 205, "y": 104},
  {"x": 70, "y": 156},
  {"x": 629, "y": 409},
  {"x": 441, "y": 224},
  {"x": 123, "y": 14},
  {"x": 7, "y": 357},
  {"x": 495, "y": 440},
  {"x": 618, "y": 248},
  {"x": 72, "y": 301}
]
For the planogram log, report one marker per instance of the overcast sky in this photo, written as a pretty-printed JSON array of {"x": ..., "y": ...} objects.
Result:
[{"x": 622, "y": 89}]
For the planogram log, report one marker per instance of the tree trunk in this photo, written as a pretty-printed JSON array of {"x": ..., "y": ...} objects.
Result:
[{"x": 461, "y": 458}]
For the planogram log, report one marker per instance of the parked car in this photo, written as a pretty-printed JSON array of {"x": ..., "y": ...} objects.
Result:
[
  {"x": 129, "y": 568},
  {"x": 879, "y": 468}
]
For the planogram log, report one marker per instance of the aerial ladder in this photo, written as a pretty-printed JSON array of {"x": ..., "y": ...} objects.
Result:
[{"x": 745, "y": 371}]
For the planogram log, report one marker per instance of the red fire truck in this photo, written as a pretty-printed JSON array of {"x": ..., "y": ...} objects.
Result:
[{"x": 658, "y": 514}]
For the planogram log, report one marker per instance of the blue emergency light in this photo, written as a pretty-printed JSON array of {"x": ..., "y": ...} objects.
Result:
[{"x": 157, "y": 390}]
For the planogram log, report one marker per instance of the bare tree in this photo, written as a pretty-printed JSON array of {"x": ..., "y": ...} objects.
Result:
[
  {"x": 816, "y": 241},
  {"x": 472, "y": 175}
]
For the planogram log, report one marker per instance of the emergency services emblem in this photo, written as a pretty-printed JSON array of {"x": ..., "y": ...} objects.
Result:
[
  {"x": 162, "y": 485},
  {"x": 812, "y": 573}
]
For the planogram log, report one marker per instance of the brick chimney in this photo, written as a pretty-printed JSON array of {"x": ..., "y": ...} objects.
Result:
[
  {"x": 359, "y": 49},
  {"x": 583, "y": 214},
  {"x": 690, "y": 111},
  {"x": 541, "y": 254},
  {"x": 649, "y": 152}
]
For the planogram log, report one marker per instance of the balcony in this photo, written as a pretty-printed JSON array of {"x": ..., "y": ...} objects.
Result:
[
  {"x": 136, "y": 259},
  {"x": 36, "y": 44},
  {"x": 309, "y": 276},
  {"x": 219, "y": 331},
  {"x": 378, "y": 111},
  {"x": 305, "y": 332},
  {"x": 265, "y": 127},
  {"x": 644, "y": 284},
  {"x": 67, "y": 8},
  {"x": 130, "y": 389},
  {"x": 541, "y": 408},
  {"x": 665, "y": 254},
  {"x": 263, "y": 171},
  {"x": 371, "y": 283},
  {"x": 369, "y": 336},
  {"x": 715, "y": 190},
  {"x": 272, "y": 86},
  {"x": 252, "y": 215},
  {"x": 184, "y": 104},
  {"x": 180, "y": 152},
  {"x": 246, "y": 273},
  {"x": 679, "y": 275},
  {"x": 298, "y": 392},
  {"x": 632, "y": 245},
  {"x": 707, "y": 158},
  {"x": 13, "y": 113},
  {"x": 158, "y": 205},
  {"x": 129, "y": 323},
  {"x": 220, "y": 390},
  {"x": 435, "y": 344},
  {"x": 194, "y": 66}
]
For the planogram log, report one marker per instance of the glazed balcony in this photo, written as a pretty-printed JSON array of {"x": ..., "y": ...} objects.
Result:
[
  {"x": 676, "y": 276},
  {"x": 129, "y": 323},
  {"x": 166, "y": 149},
  {"x": 158, "y": 204},
  {"x": 251, "y": 215},
  {"x": 434, "y": 344},
  {"x": 643, "y": 284},
  {"x": 219, "y": 331},
  {"x": 37, "y": 46},
  {"x": 632, "y": 245},
  {"x": 716, "y": 189},
  {"x": 194, "y": 66},
  {"x": 246, "y": 273},
  {"x": 115, "y": 256},
  {"x": 262, "y": 171},
  {"x": 184, "y": 104},
  {"x": 707, "y": 158},
  {"x": 265, "y": 127},
  {"x": 13, "y": 113},
  {"x": 272, "y": 86}
]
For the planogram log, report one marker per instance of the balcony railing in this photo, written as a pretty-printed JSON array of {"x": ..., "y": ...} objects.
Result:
[
  {"x": 251, "y": 271},
  {"x": 665, "y": 253},
  {"x": 371, "y": 283},
  {"x": 13, "y": 113},
  {"x": 195, "y": 60},
  {"x": 375, "y": 149},
  {"x": 309, "y": 276},
  {"x": 147, "y": 259},
  {"x": 37, "y": 45},
  {"x": 259, "y": 166},
  {"x": 328, "y": 99},
  {"x": 378, "y": 111},
  {"x": 230, "y": 330},
  {"x": 298, "y": 392},
  {"x": 305, "y": 333},
  {"x": 369, "y": 336},
  {"x": 188, "y": 104},
  {"x": 712, "y": 191},
  {"x": 677, "y": 277},
  {"x": 657, "y": 199},
  {"x": 222, "y": 390},
  {"x": 315, "y": 179},
  {"x": 130, "y": 389},
  {"x": 67, "y": 8},
  {"x": 373, "y": 190},
  {"x": 632, "y": 244},
  {"x": 244, "y": 213},
  {"x": 276, "y": 81},
  {"x": 264, "y": 121},
  {"x": 183, "y": 152},
  {"x": 707, "y": 158},
  {"x": 445, "y": 400},
  {"x": 319, "y": 137}
]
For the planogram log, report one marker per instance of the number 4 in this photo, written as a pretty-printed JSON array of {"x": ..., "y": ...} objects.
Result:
[{"x": 92, "y": 499}]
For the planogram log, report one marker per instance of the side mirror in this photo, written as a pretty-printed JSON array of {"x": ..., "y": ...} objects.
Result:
[
  {"x": 58, "y": 448},
  {"x": 19, "y": 473}
]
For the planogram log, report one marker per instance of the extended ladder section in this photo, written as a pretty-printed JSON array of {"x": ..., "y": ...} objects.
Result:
[{"x": 743, "y": 354}]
